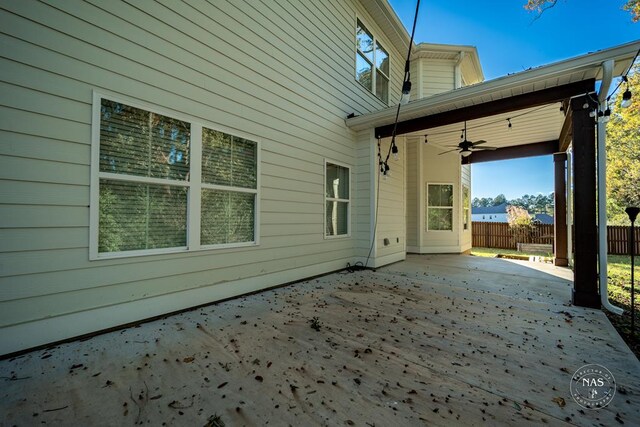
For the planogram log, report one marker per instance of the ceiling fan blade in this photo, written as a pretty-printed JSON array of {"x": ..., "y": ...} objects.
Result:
[
  {"x": 484, "y": 148},
  {"x": 448, "y": 151},
  {"x": 482, "y": 141}
]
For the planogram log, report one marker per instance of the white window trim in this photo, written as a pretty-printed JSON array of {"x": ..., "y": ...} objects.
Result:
[
  {"x": 374, "y": 68},
  {"x": 427, "y": 207},
  {"x": 333, "y": 199},
  {"x": 195, "y": 185}
]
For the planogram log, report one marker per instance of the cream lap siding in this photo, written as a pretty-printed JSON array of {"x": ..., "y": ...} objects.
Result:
[
  {"x": 281, "y": 71},
  {"x": 437, "y": 76},
  {"x": 391, "y": 208},
  {"x": 412, "y": 189}
]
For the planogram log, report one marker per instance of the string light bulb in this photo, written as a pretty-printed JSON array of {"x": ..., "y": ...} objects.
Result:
[
  {"x": 626, "y": 98},
  {"x": 509, "y": 121},
  {"x": 426, "y": 141},
  {"x": 406, "y": 92},
  {"x": 394, "y": 151}
]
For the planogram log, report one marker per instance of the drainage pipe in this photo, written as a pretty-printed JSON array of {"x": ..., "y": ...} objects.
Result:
[{"x": 607, "y": 75}]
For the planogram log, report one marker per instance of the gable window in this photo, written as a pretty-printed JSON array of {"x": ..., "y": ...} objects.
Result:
[
  {"x": 162, "y": 184},
  {"x": 372, "y": 63},
  {"x": 439, "y": 207},
  {"x": 337, "y": 200}
]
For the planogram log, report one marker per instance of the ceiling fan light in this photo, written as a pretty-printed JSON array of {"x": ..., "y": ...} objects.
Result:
[{"x": 465, "y": 153}]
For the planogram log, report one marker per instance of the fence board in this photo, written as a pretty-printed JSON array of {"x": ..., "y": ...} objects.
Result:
[{"x": 499, "y": 235}]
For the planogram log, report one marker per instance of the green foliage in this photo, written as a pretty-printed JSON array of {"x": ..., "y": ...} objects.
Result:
[
  {"x": 623, "y": 154},
  {"x": 539, "y": 6},
  {"x": 533, "y": 204},
  {"x": 520, "y": 222}
]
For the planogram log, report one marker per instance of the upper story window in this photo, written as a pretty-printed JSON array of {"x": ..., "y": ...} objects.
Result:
[
  {"x": 372, "y": 63},
  {"x": 162, "y": 184}
]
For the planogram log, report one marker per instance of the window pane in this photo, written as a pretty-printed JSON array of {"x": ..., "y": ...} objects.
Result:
[
  {"x": 382, "y": 87},
  {"x": 227, "y": 217},
  {"x": 364, "y": 41},
  {"x": 363, "y": 71},
  {"x": 440, "y": 195},
  {"x": 141, "y": 143},
  {"x": 382, "y": 59},
  {"x": 228, "y": 160},
  {"x": 137, "y": 216},
  {"x": 337, "y": 218},
  {"x": 439, "y": 219},
  {"x": 337, "y": 185},
  {"x": 466, "y": 197}
]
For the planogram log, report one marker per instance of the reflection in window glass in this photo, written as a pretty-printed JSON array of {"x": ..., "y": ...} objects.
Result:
[
  {"x": 142, "y": 143},
  {"x": 337, "y": 218},
  {"x": 337, "y": 197},
  {"x": 382, "y": 59},
  {"x": 439, "y": 207},
  {"x": 370, "y": 57},
  {"x": 364, "y": 41},
  {"x": 137, "y": 216},
  {"x": 382, "y": 86}
]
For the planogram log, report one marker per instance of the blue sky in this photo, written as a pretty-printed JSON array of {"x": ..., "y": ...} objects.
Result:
[{"x": 509, "y": 40}]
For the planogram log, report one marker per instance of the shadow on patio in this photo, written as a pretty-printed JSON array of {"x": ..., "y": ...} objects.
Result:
[{"x": 439, "y": 339}]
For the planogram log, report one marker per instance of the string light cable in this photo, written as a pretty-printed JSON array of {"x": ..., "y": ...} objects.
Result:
[{"x": 393, "y": 148}]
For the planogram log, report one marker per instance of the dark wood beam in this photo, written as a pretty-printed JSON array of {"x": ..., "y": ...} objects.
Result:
[
  {"x": 567, "y": 130},
  {"x": 491, "y": 108},
  {"x": 585, "y": 282},
  {"x": 560, "y": 237},
  {"x": 515, "y": 152}
]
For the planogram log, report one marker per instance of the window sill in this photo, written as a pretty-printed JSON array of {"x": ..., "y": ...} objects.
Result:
[{"x": 167, "y": 251}]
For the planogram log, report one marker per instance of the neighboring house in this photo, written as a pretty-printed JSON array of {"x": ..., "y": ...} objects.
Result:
[
  {"x": 543, "y": 219},
  {"x": 160, "y": 157},
  {"x": 489, "y": 213}
]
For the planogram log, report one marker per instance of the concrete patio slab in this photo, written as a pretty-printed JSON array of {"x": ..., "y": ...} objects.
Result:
[{"x": 435, "y": 340}]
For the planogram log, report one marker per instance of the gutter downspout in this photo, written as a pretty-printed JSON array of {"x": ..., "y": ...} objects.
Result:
[
  {"x": 457, "y": 73},
  {"x": 607, "y": 75}
]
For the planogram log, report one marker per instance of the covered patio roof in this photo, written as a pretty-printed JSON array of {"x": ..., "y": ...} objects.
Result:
[{"x": 531, "y": 98}]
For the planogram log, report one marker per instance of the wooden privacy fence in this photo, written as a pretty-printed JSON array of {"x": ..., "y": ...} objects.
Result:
[
  {"x": 500, "y": 235},
  {"x": 618, "y": 239}
]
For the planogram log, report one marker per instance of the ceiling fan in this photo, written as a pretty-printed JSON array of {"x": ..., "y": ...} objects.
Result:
[{"x": 467, "y": 147}]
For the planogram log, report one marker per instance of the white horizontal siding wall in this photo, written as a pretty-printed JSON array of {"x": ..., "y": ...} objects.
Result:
[
  {"x": 441, "y": 169},
  {"x": 280, "y": 70},
  {"x": 437, "y": 76},
  {"x": 411, "y": 196},
  {"x": 391, "y": 208}
]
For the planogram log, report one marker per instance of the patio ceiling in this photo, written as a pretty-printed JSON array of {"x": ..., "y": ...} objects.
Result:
[{"x": 531, "y": 98}]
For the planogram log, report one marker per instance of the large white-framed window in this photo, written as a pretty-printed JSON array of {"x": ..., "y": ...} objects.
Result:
[
  {"x": 337, "y": 199},
  {"x": 372, "y": 63},
  {"x": 164, "y": 183},
  {"x": 439, "y": 207}
]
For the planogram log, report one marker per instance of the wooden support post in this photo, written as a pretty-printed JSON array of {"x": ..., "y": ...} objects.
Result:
[
  {"x": 560, "y": 210},
  {"x": 585, "y": 283}
]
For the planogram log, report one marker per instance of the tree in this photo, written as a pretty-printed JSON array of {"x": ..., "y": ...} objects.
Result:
[
  {"x": 520, "y": 222},
  {"x": 623, "y": 153},
  {"x": 498, "y": 200},
  {"x": 539, "y": 6}
]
